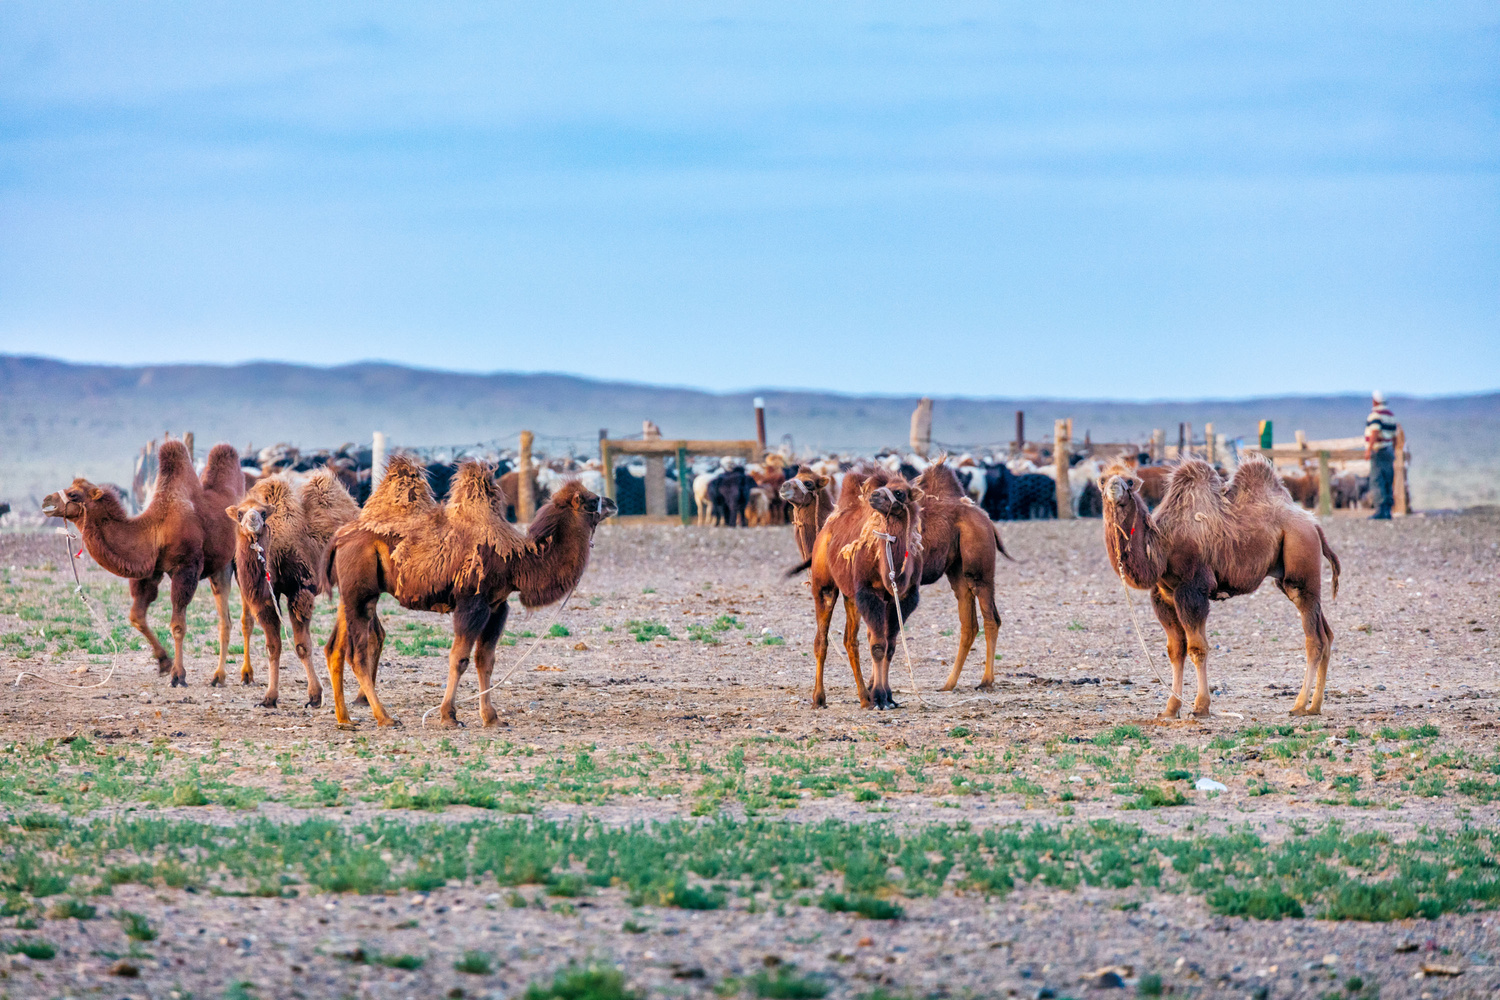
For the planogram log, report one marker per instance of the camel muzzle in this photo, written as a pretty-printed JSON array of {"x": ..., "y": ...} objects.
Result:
[
  {"x": 607, "y": 507},
  {"x": 793, "y": 491},
  {"x": 885, "y": 502}
]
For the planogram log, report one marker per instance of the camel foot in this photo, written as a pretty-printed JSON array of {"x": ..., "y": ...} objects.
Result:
[
  {"x": 1200, "y": 712},
  {"x": 985, "y": 685},
  {"x": 452, "y": 723},
  {"x": 217, "y": 681},
  {"x": 949, "y": 685},
  {"x": 1174, "y": 706},
  {"x": 818, "y": 701},
  {"x": 1168, "y": 713},
  {"x": 269, "y": 701},
  {"x": 491, "y": 720},
  {"x": 348, "y": 726},
  {"x": 179, "y": 680},
  {"x": 390, "y": 721},
  {"x": 314, "y": 699},
  {"x": 247, "y": 677},
  {"x": 1305, "y": 711},
  {"x": 163, "y": 666}
]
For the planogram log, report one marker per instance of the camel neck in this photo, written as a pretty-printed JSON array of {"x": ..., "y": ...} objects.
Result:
[
  {"x": 118, "y": 544},
  {"x": 1135, "y": 546}
]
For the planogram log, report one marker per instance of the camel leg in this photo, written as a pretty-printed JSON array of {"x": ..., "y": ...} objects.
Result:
[
  {"x": 374, "y": 646},
  {"x": 823, "y": 610},
  {"x": 851, "y": 649},
  {"x": 335, "y": 651},
  {"x": 984, "y": 596},
  {"x": 484, "y": 660},
  {"x": 1319, "y": 643},
  {"x": 247, "y": 631},
  {"x": 219, "y": 584},
  {"x": 967, "y": 627},
  {"x": 143, "y": 593},
  {"x": 469, "y": 620},
  {"x": 270, "y": 623},
  {"x": 184, "y": 586},
  {"x": 300, "y": 610},
  {"x": 1176, "y": 649},
  {"x": 378, "y": 631},
  {"x": 879, "y": 619}
]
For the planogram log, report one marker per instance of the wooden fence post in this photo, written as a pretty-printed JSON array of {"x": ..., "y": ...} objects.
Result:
[
  {"x": 1210, "y": 452},
  {"x": 1183, "y": 438},
  {"x": 1061, "y": 445},
  {"x": 377, "y": 460},
  {"x": 607, "y": 466},
  {"x": 187, "y": 439},
  {"x": 685, "y": 486},
  {"x": 921, "y": 427},
  {"x": 1398, "y": 483},
  {"x": 1020, "y": 431},
  {"x": 1158, "y": 445},
  {"x": 760, "y": 423},
  {"x": 525, "y": 485},
  {"x": 1325, "y": 486}
]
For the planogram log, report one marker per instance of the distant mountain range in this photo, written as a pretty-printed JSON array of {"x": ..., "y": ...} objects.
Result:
[{"x": 59, "y": 419}]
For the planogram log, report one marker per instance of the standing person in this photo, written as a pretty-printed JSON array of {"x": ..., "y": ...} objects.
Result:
[{"x": 1380, "y": 449}]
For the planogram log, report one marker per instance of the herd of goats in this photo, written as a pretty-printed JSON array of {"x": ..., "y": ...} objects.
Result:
[{"x": 442, "y": 537}]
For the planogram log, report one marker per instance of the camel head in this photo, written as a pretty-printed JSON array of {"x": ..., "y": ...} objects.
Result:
[
  {"x": 1130, "y": 538},
  {"x": 249, "y": 517},
  {"x": 574, "y": 496},
  {"x": 803, "y": 488},
  {"x": 896, "y": 501},
  {"x": 73, "y": 502}
]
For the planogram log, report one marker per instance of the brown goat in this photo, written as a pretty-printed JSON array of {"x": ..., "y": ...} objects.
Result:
[
  {"x": 1208, "y": 541},
  {"x": 181, "y": 534},
  {"x": 281, "y": 533},
  {"x": 869, "y": 550},
  {"x": 462, "y": 557}
]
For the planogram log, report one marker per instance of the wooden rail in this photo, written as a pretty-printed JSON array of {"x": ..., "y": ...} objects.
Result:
[{"x": 751, "y": 451}]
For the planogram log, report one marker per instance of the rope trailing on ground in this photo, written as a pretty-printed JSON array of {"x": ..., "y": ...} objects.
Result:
[
  {"x": 890, "y": 560},
  {"x": 67, "y": 537}
]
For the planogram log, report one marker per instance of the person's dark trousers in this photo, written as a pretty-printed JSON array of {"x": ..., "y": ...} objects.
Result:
[{"x": 1383, "y": 480}]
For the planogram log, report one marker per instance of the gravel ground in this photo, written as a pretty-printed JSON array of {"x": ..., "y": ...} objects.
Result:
[{"x": 1416, "y": 629}]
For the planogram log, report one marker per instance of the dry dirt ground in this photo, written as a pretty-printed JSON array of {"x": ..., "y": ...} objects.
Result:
[{"x": 1045, "y": 838}]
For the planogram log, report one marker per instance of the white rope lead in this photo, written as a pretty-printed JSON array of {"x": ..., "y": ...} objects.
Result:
[
  {"x": 516, "y": 666},
  {"x": 93, "y": 617},
  {"x": 890, "y": 560}
]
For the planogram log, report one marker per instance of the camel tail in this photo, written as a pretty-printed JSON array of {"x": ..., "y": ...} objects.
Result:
[
  {"x": 328, "y": 576},
  {"x": 999, "y": 544},
  {"x": 799, "y": 568},
  {"x": 1333, "y": 561}
]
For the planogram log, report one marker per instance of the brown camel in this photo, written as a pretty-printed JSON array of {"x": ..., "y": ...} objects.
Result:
[
  {"x": 282, "y": 530},
  {"x": 959, "y": 541},
  {"x": 181, "y": 534},
  {"x": 1212, "y": 541},
  {"x": 870, "y": 551},
  {"x": 809, "y": 498},
  {"x": 461, "y": 556}
]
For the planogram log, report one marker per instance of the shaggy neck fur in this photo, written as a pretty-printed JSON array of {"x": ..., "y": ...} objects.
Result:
[
  {"x": 1134, "y": 544},
  {"x": 556, "y": 554},
  {"x": 805, "y": 523}
]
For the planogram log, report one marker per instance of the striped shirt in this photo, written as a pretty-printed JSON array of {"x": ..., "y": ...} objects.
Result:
[{"x": 1380, "y": 428}]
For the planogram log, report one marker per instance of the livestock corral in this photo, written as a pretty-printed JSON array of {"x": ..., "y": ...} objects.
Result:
[{"x": 662, "y": 778}]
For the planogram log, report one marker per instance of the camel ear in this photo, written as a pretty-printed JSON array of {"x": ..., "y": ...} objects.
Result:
[
  {"x": 97, "y": 493},
  {"x": 234, "y": 514},
  {"x": 820, "y": 482}
]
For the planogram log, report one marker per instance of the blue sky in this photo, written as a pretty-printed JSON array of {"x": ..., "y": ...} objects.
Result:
[{"x": 1143, "y": 200}]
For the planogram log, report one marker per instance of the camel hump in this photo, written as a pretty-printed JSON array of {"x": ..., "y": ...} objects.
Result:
[
  {"x": 221, "y": 472},
  {"x": 403, "y": 491},
  {"x": 1256, "y": 475},
  {"x": 173, "y": 465},
  {"x": 326, "y": 505},
  {"x": 940, "y": 481}
]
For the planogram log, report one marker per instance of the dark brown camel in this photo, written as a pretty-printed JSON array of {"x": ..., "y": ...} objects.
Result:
[
  {"x": 809, "y": 498},
  {"x": 182, "y": 534},
  {"x": 1212, "y": 541},
  {"x": 282, "y": 531},
  {"x": 870, "y": 551},
  {"x": 461, "y": 557}
]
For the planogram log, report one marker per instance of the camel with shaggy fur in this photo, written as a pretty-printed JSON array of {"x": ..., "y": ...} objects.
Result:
[
  {"x": 461, "y": 557},
  {"x": 1209, "y": 541},
  {"x": 281, "y": 532},
  {"x": 869, "y": 550},
  {"x": 182, "y": 534}
]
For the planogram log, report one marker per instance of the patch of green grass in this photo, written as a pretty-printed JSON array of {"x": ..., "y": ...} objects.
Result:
[
  {"x": 475, "y": 963},
  {"x": 558, "y": 631},
  {"x": 1118, "y": 735},
  {"x": 1149, "y": 985},
  {"x": 408, "y": 962},
  {"x": 959, "y": 732},
  {"x": 869, "y": 907},
  {"x": 647, "y": 630},
  {"x": 786, "y": 983},
  {"x": 1261, "y": 903},
  {"x": 33, "y": 948},
  {"x": 136, "y": 926},
  {"x": 592, "y": 983},
  {"x": 72, "y": 909},
  {"x": 1156, "y": 797}
]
